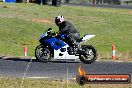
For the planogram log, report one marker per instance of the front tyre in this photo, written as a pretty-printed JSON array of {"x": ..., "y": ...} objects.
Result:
[
  {"x": 89, "y": 54},
  {"x": 43, "y": 53}
]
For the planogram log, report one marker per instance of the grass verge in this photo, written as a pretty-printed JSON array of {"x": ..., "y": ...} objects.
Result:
[{"x": 50, "y": 83}]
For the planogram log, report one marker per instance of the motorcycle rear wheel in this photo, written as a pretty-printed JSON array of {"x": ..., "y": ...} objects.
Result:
[
  {"x": 89, "y": 54},
  {"x": 43, "y": 53}
]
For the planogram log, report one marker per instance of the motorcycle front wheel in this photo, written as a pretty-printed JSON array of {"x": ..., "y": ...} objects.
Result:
[
  {"x": 89, "y": 54},
  {"x": 43, "y": 53}
]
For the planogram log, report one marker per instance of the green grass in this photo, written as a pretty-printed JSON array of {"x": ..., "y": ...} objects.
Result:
[
  {"x": 111, "y": 26},
  {"x": 49, "y": 83}
]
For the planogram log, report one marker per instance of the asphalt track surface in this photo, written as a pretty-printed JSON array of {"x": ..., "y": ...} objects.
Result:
[{"x": 14, "y": 67}]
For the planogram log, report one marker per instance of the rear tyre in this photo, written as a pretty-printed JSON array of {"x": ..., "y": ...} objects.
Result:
[
  {"x": 89, "y": 54},
  {"x": 43, "y": 53}
]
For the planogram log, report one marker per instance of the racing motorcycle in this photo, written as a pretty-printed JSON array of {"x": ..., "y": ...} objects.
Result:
[{"x": 54, "y": 48}]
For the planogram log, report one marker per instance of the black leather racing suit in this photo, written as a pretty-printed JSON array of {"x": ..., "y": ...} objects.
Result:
[{"x": 73, "y": 35}]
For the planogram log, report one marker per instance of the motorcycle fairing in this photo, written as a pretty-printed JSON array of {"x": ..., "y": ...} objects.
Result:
[
  {"x": 43, "y": 35},
  {"x": 59, "y": 55},
  {"x": 55, "y": 43}
]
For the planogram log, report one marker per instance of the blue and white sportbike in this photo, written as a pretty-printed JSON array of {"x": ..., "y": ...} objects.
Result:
[{"x": 54, "y": 48}]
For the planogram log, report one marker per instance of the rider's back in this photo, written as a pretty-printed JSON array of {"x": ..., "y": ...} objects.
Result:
[{"x": 67, "y": 28}]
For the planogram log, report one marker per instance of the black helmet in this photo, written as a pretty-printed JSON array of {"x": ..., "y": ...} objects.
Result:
[{"x": 59, "y": 19}]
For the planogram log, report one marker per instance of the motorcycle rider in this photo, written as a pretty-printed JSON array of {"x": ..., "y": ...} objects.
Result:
[{"x": 66, "y": 27}]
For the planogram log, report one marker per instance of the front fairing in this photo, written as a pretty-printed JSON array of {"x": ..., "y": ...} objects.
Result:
[
  {"x": 43, "y": 35},
  {"x": 47, "y": 33},
  {"x": 48, "y": 38}
]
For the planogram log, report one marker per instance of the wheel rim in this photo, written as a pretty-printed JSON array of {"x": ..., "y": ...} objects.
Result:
[
  {"x": 46, "y": 54},
  {"x": 89, "y": 54},
  {"x": 43, "y": 53}
]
